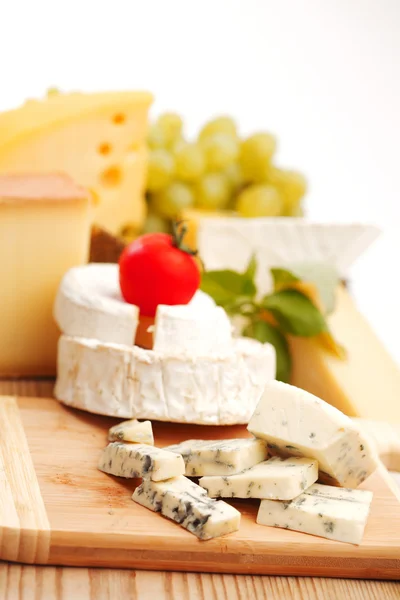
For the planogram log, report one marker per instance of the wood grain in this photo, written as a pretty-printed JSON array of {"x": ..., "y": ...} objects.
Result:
[
  {"x": 24, "y": 526},
  {"x": 17, "y": 582}
]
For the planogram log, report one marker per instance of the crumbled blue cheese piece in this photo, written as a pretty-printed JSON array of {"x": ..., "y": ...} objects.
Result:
[
  {"x": 323, "y": 510},
  {"x": 297, "y": 423},
  {"x": 276, "y": 478},
  {"x": 203, "y": 516},
  {"x": 140, "y": 460},
  {"x": 132, "y": 431},
  {"x": 220, "y": 457},
  {"x": 187, "y": 504},
  {"x": 151, "y": 493}
]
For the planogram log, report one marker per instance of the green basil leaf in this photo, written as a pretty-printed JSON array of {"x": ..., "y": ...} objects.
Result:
[
  {"x": 325, "y": 277},
  {"x": 265, "y": 332},
  {"x": 251, "y": 268},
  {"x": 224, "y": 286},
  {"x": 282, "y": 277},
  {"x": 295, "y": 313}
]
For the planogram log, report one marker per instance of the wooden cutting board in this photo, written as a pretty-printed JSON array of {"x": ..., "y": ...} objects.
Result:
[{"x": 57, "y": 508}]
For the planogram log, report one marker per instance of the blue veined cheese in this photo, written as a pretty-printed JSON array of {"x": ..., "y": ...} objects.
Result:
[
  {"x": 276, "y": 478},
  {"x": 131, "y": 382},
  {"x": 132, "y": 431},
  {"x": 296, "y": 423},
  {"x": 151, "y": 493},
  {"x": 187, "y": 504},
  {"x": 140, "y": 460},
  {"x": 220, "y": 457},
  {"x": 204, "y": 517},
  {"x": 181, "y": 330},
  {"x": 323, "y": 510}
]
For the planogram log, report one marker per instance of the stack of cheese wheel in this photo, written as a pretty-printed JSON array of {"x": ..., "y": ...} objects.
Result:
[{"x": 195, "y": 372}]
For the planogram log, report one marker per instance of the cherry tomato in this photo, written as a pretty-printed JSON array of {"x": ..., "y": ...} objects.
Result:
[{"x": 155, "y": 270}]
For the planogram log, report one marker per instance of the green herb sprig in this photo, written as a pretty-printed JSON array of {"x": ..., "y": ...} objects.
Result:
[{"x": 286, "y": 311}]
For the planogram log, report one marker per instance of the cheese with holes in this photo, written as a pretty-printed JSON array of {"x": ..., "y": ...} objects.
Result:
[
  {"x": 128, "y": 381},
  {"x": 276, "y": 478},
  {"x": 44, "y": 230},
  {"x": 296, "y": 423},
  {"x": 132, "y": 431},
  {"x": 204, "y": 517},
  {"x": 140, "y": 460},
  {"x": 89, "y": 304},
  {"x": 98, "y": 139},
  {"x": 151, "y": 493},
  {"x": 183, "y": 329},
  {"x": 366, "y": 384},
  {"x": 323, "y": 510},
  {"x": 220, "y": 457}
]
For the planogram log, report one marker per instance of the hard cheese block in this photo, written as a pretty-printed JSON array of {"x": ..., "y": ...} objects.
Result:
[
  {"x": 98, "y": 139},
  {"x": 220, "y": 457},
  {"x": 89, "y": 304},
  {"x": 132, "y": 431},
  {"x": 44, "y": 230},
  {"x": 296, "y": 423},
  {"x": 366, "y": 384},
  {"x": 276, "y": 478},
  {"x": 139, "y": 460},
  {"x": 187, "y": 504},
  {"x": 323, "y": 510}
]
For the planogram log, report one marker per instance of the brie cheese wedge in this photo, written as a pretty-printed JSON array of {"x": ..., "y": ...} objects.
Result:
[{"x": 130, "y": 382}]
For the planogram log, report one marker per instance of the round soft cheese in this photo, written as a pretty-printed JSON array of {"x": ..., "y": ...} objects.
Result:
[
  {"x": 128, "y": 381},
  {"x": 89, "y": 304}
]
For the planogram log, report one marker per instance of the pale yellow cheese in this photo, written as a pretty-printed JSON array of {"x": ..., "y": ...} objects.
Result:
[
  {"x": 98, "y": 139},
  {"x": 365, "y": 384},
  {"x": 192, "y": 218},
  {"x": 44, "y": 230}
]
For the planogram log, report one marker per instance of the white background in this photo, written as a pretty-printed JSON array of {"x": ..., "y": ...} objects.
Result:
[{"x": 324, "y": 76}]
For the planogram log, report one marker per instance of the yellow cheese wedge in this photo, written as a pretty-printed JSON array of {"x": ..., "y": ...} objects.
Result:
[
  {"x": 44, "y": 230},
  {"x": 365, "y": 384},
  {"x": 97, "y": 139}
]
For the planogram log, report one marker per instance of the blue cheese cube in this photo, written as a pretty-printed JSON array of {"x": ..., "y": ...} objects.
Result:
[
  {"x": 294, "y": 422},
  {"x": 151, "y": 493},
  {"x": 220, "y": 457},
  {"x": 140, "y": 460},
  {"x": 323, "y": 510},
  {"x": 140, "y": 432},
  {"x": 276, "y": 478}
]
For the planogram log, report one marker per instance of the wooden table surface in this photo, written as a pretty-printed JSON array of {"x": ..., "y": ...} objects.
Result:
[{"x": 56, "y": 583}]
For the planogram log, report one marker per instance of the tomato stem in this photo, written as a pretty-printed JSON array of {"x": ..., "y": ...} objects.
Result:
[{"x": 179, "y": 230}]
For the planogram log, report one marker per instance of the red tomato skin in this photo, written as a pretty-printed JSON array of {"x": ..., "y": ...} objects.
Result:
[{"x": 153, "y": 271}]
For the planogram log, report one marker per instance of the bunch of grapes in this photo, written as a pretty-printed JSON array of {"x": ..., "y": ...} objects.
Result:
[{"x": 219, "y": 171}]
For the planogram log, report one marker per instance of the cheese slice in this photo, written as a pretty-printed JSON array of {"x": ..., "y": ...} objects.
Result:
[
  {"x": 151, "y": 493},
  {"x": 98, "y": 139},
  {"x": 296, "y": 423},
  {"x": 44, "y": 230},
  {"x": 220, "y": 457},
  {"x": 132, "y": 431},
  {"x": 184, "y": 330},
  {"x": 276, "y": 478},
  {"x": 140, "y": 460},
  {"x": 323, "y": 510},
  {"x": 89, "y": 304},
  {"x": 130, "y": 382},
  {"x": 366, "y": 384}
]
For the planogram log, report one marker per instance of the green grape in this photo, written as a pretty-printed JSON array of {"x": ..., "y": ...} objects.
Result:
[
  {"x": 234, "y": 176},
  {"x": 190, "y": 162},
  {"x": 161, "y": 169},
  {"x": 156, "y": 223},
  {"x": 218, "y": 125},
  {"x": 171, "y": 126},
  {"x": 255, "y": 156},
  {"x": 291, "y": 185},
  {"x": 220, "y": 151},
  {"x": 173, "y": 200},
  {"x": 156, "y": 138},
  {"x": 212, "y": 191},
  {"x": 259, "y": 201}
]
